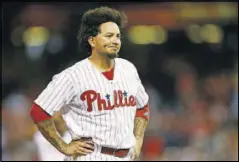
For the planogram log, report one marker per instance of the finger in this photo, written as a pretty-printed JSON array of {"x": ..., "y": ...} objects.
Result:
[
  {"x": 82, "y": 149},
  {"x": 86, "y": 145},
  {"x": 80, "y": 153},
  {"x": 91, "y": 143},
  {"x": 132, "y": 156}
]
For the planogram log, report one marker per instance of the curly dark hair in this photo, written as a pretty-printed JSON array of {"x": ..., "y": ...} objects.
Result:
[{"x": 91, "y": 21}]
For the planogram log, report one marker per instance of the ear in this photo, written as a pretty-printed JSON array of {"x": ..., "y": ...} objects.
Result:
[{"x": 91, "y": 41}]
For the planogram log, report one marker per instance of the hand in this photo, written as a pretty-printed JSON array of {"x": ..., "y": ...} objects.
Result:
[
  {"x": 135, "y": 153},
  {"x": 79, "y": 148}
]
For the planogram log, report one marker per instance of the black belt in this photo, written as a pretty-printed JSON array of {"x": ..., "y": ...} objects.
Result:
[{"x": 109, "y": 151}]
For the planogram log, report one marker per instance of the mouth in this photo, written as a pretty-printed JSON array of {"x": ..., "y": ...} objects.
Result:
[{"x": 113, "y": 47}]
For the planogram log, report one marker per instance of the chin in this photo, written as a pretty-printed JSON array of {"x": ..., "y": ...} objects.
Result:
[{"x": 112, "y": 56}]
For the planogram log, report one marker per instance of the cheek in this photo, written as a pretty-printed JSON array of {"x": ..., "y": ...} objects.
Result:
[
  {"x": 105, "y": 43},
  {"x": 101, "y": 43}
]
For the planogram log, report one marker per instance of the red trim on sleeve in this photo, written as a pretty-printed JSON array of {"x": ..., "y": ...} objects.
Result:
[
  {"x": 38, "y": 114},
  {"x": 143, "y": 112}
]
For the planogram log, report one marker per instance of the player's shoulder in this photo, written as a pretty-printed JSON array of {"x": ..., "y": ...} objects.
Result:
[
  {"x": 79, "y": 64},
  {"x": 125, "y": 63},
  {"x": 76, "y": 66},
  {"x": 72, "y": 69}
]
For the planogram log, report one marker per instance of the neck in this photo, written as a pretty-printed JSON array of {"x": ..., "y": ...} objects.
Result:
[{"x": 101, "y": 62}]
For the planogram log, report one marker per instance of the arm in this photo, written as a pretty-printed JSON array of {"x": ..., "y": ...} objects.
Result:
[
  {"x": 142, "y": 115},
  {"x": 139, "y": 129},
  {"x": 140, "y": 124},
  {"x": 48, "y": 130},
  {"x": 46, "y": 126},
  {"x": 60, "y": 123}
]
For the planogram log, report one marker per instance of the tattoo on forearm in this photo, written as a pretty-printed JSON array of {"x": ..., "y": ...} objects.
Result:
[
  {"x": 139, "y": 127},
  {"x": 60, "y": 120},
  {"x": 60, "y": 124},
  {"x": 48, "y": 130}
]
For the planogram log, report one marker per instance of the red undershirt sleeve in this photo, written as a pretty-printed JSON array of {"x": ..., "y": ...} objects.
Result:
[
  {"x": 38, "y": 114},
  {"x": 143, "y": 112}
]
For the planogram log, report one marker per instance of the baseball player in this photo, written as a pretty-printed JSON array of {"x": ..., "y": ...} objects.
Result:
[{"x": 102, "y": 94}]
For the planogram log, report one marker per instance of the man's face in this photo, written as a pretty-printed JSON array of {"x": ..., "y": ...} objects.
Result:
[{"x": 107, "y": 41}]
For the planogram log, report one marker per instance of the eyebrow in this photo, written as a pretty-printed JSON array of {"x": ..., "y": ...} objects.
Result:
[{"x": 113, "y": 33}]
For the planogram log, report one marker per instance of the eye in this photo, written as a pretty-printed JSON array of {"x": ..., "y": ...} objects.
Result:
[{"x": 119, "y": 36}]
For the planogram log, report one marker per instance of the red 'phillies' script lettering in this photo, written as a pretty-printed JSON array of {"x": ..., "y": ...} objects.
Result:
[
  {"x": 90, "y": 97},
  {"x": 119, "y": 100}
]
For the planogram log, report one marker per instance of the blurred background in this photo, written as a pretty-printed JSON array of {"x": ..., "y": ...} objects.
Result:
[{"x": 186, "y": 54}]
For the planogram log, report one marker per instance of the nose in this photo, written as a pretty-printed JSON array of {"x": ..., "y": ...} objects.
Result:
[{"x": 116, "y": 41}]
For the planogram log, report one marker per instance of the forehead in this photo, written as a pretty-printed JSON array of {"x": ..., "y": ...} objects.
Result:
[{"x": 109, "y": 27}]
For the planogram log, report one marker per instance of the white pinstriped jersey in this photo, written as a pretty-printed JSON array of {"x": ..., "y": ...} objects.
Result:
[{"x": 100, "y": 108}]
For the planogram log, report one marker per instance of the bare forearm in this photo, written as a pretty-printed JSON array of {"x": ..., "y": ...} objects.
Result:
[
  {"x": 140, "y": 125},
  {"x": 59, "y": 123},
  {"x": 48, "y": 130}
]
